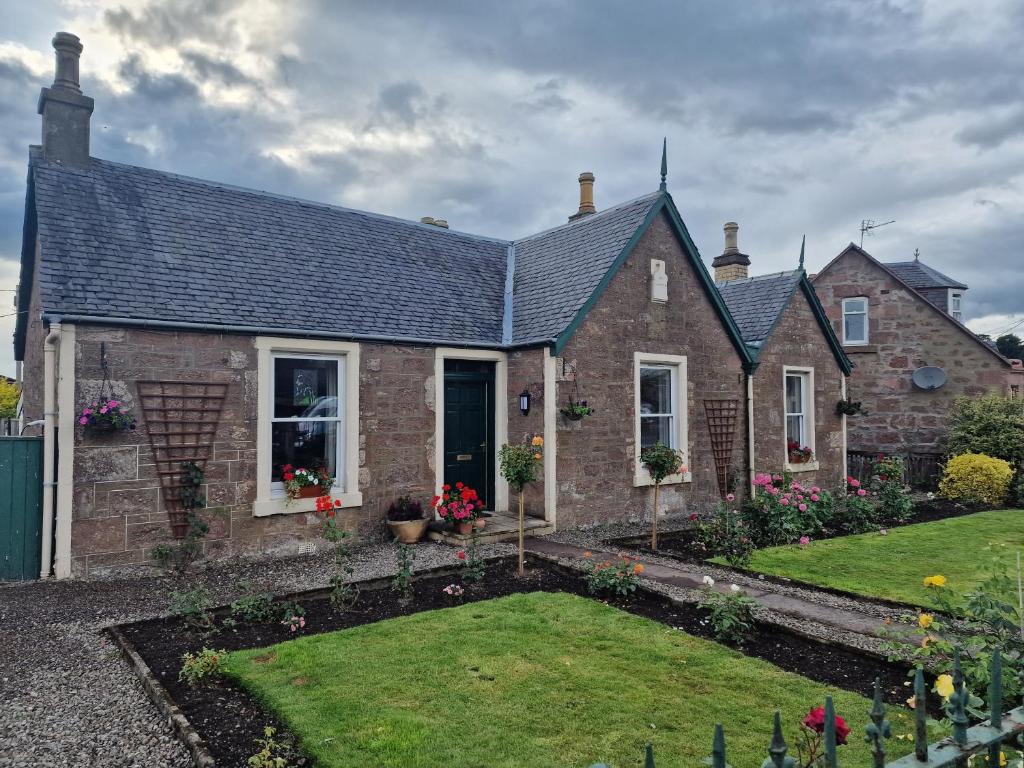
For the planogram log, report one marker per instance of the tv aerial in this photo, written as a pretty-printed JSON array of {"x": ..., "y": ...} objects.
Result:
[{"x": 866, "y": 225}]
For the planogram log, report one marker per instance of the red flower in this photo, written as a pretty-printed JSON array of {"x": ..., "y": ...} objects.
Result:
[
  {"x": 288, "y": 476},
  {"x": 461, "y": 555},
  {"x": 286, "y": 467},
  {"x": 446, "y": 487},
  {"x": 815, "y": 720},
  {"x": 693, "y": 515},
  {"x": 459, "y": 485},
  {"x": 337, "y": 503}
]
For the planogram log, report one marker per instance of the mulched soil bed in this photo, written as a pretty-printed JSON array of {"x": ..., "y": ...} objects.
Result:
[{"x": 230, "y": 720}]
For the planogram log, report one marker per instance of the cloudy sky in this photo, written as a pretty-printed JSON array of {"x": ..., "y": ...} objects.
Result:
[{"x": 788, "y": 117}]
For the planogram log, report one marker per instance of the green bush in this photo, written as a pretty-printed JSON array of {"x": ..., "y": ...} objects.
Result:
[
  {"x": 196, "y": 668},
  {"x": 724, "y": 534},
  {"x": 730, "y": 615},
  {"x": 618, "y": 578},
  {"x": 976, "y": 478},
  {"x": 661, "y": 461},
  {"x": 992, "y": 425},
  {"x": 894, "y": 503},
  {"x": 255, "y": 606}
]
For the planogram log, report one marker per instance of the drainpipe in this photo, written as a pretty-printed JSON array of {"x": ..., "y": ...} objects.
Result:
[
  {"x": 750, "y": 433},
  {"x": 49, "y": 444}
]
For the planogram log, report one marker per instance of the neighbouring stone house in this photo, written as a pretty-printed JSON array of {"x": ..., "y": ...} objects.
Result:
[
  {"x": 801, "y": 369},
  {"x": 895, "y": 319},
  {"x": 254, "y": 330}
]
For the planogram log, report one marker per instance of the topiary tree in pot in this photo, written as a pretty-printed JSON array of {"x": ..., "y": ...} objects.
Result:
[
  {"x": 519, "y": 464},
  {"x": 660, "y": 461}
]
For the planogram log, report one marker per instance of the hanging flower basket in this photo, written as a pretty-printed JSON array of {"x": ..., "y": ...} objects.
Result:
[
  {"x": 574, "y": 411},
  {"x": 106, "y": 415}
]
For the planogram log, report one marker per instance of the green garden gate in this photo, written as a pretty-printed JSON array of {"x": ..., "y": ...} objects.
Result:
[{"x": 21, "y": 507}]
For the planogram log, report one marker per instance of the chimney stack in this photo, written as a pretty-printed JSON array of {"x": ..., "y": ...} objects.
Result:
[
  {"x": 65, "y": 110},
  {"x": 731, "y": 265},
  {"x": 443, "y": 223},
  {"x": 586, "y": 196}
]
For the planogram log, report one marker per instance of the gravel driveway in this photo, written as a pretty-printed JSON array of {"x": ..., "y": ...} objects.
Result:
[{"x": 67, "y": 698}]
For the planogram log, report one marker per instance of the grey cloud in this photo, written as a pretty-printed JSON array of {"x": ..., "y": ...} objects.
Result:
[
  {"x": 172, "y": 23},
  {"x": 405, "y": 101},
  {"x": 991, "y": 133},
  {"x": 207, "y": 68}
]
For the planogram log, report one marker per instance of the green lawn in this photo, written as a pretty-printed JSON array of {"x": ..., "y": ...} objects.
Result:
[
  {"x": 528, "y": 680},
  {"x": 893, "y": 566}
]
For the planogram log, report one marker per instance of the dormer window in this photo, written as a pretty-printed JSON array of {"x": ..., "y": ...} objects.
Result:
[
  {"x": 955, "y": 304},
  {"x": 855, "y": 321}
]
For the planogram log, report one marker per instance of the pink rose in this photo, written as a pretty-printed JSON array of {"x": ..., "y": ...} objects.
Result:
[
  {"x": 862, "y": 492},
  {"x": 855, "y": 483},
  {"x": 87, "y": 411},
  {"x": 815, "y": 497},
  {"x": 805, "y": 540},
  {"x": 83, "y": 420},
  {"x": 802, "y": 507},
  {"x": 693, "y": 515},
  {"x": 112, "y": 404},
  {"x": 784, "y": 501},
  {"x": 103, "y": 409},
  {"x": 815, "y": 489}
]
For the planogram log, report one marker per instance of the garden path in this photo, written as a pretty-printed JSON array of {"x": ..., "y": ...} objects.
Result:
[{"x": 691, "y": 577}]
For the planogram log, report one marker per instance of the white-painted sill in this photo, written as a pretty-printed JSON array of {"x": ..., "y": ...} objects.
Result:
[
  {"x": 642, "y": 478},
  {"x": 808, "y": 466},
  {"x": 280, "y": 505}
]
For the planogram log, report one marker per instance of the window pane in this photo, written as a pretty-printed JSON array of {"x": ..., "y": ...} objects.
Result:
[
  {"x": 795, "y": 430},
  {"x": 656, "y": 429},
  {"x": 855, "y": 305},
  {"x": 655, "y": 390},
  {"x": 855, "y": 327},
  {"x": 305, "y": 387},
  {"x": 794, "y": 394},
  {"x": 309, "y": 444}
]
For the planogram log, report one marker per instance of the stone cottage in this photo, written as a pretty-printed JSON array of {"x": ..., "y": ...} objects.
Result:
[
  {"x": 254, "y": 330},
  {"x": 800, "y": 373},
  {"x": 900, "y": 324}
]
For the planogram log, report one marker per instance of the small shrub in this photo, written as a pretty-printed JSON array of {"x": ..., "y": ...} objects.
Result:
[
  {"x": 294, "y": 617},
  {"x": 782, "y": 510},
  {"x": 343, "y": 592},
  {"x": 271, "y": 753},
  {"x": 724, "y": 534},
  {"x": 193, "y": 607},
  {"x": 402, "y": 582},
  {"x": 856, "y": 512},
  {"x": 974, "y": 477},
  {"x": 992, "y": 425},
  {"x": 618, "y": 578},
  {"x": 730, "y": 614},
  {"x": 179, "y": 556},
  {"x": 810, "y": 745},
  {"x": 474, "y": 567},
  {"x": 256, "y": 606},
  {"x": 894, "y": 503},
  {"x": 197, "y": 668}
]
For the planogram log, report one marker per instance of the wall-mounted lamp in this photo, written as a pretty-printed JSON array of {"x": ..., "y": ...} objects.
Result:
[{"x": 524, "y": 402}]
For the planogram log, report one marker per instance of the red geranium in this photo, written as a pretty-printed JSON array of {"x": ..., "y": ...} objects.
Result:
[{"x": 461, "y": 505}]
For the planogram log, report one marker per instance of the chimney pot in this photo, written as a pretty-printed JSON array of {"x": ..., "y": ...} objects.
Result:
[
  {"x": 65, "y": 110},
  {"x": 427, "y": 220},
  {"x": 731, "y": 265},
  {"x": 443, "y": 223},
  {"x": 587, "y": 207}
]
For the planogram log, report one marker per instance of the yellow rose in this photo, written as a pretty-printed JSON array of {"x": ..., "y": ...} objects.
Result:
[
  {"x": 925, "y": 620},
  {"x": 538, "y": 440},
  {"x": 935, "y": 581},
  {"x": 944, "y": 686}
]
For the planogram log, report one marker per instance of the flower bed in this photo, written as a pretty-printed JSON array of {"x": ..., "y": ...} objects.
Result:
[{"x": 230, "y": 719}]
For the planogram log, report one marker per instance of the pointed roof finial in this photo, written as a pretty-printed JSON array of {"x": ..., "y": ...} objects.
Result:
[
  {"x": 803, "y": 242},
  {"x": 664, "y": 163},
  {"x": 917, "y": 254}
]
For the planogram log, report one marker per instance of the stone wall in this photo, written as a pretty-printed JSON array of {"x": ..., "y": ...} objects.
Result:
[
  {"x": 32, "y": 372},
  {"x": 596, "y": 456},
  {"x": 118, "y": 516},
  {"x": 905, "y": 333},
  {"x": 798, "y": 341},
  {"x": 526, "y": 372}
]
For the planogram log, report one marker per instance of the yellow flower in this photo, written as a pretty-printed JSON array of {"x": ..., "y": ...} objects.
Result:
[
  {"x": 912, "y": 702},
  {"x": 537, "y": 441},
  {"x": 925, "y": 620},
  {"x": 944, "y": 686},
  {"x": 638, "y": 568},
  {"x": 935, "y": 581}
]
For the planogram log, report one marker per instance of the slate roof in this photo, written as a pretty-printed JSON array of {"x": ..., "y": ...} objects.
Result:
[
  {"x": 918, "y": 275},
  {"x": 757, "y": 302},
  {"x": 119, "y": 241}
]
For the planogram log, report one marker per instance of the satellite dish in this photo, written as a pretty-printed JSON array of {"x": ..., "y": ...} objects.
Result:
[{"x": 929, "y": 377}]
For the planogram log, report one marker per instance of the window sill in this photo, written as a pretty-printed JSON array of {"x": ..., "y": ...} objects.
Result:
[
  {"x": 641, "y": 478},
  {"x": 807, "y": 466},
  {"x": 281, "y": 505},
  {"x": 860, "y": 349}
]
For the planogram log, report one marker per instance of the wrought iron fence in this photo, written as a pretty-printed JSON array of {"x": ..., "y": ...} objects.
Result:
[
  {"x": 921, "y": 471},
  {"x": 966, "y": 741}
]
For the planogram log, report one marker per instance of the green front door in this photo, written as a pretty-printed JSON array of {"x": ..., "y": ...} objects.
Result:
[{"x": 469, "y": 426}]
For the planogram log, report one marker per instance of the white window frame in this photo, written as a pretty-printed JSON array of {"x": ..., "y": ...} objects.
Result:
[
  {"x": 810, "y": 423},
  {"x": 271, "y": 498},
  {"x": 856, "y": 342},
  {"x": 956, "y": 295},
  {"x": 680, "y": 421}
]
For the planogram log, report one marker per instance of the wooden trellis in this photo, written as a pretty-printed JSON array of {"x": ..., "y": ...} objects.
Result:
[
  {"x": 721, "y": 416},
  {"x": 181, "y": 419}
]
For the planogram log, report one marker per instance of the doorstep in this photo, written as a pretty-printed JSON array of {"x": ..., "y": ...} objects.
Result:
[{"x": 500, "y": 527}]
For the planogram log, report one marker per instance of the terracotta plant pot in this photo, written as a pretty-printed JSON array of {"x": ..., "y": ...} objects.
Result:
[
  {"x": 408, "y": 531},
  {"x": 480, "y": 522},
  {"x": 310, "y": 492},
  {"x": 464, "y": 529},
  {"x": 799, "y": 459}
]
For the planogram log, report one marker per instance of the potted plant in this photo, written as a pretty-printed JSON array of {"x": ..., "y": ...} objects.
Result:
[
  {"x": 798, "y": 454},
  {"x": 406, "y": 520},
  {"x": 106, "y": 415},
  {"x": 302, "y": 483},
  {"x": 848, "y": 407},
  {"x": 459, "y": 506},
  {"x": 574, "y": 411}
]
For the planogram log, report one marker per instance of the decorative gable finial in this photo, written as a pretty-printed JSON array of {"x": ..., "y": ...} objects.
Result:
[
  {"x": 664, "y": 163},
  {"x": 803, "y": 242},
  {"x": 917, "y": 254}
]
